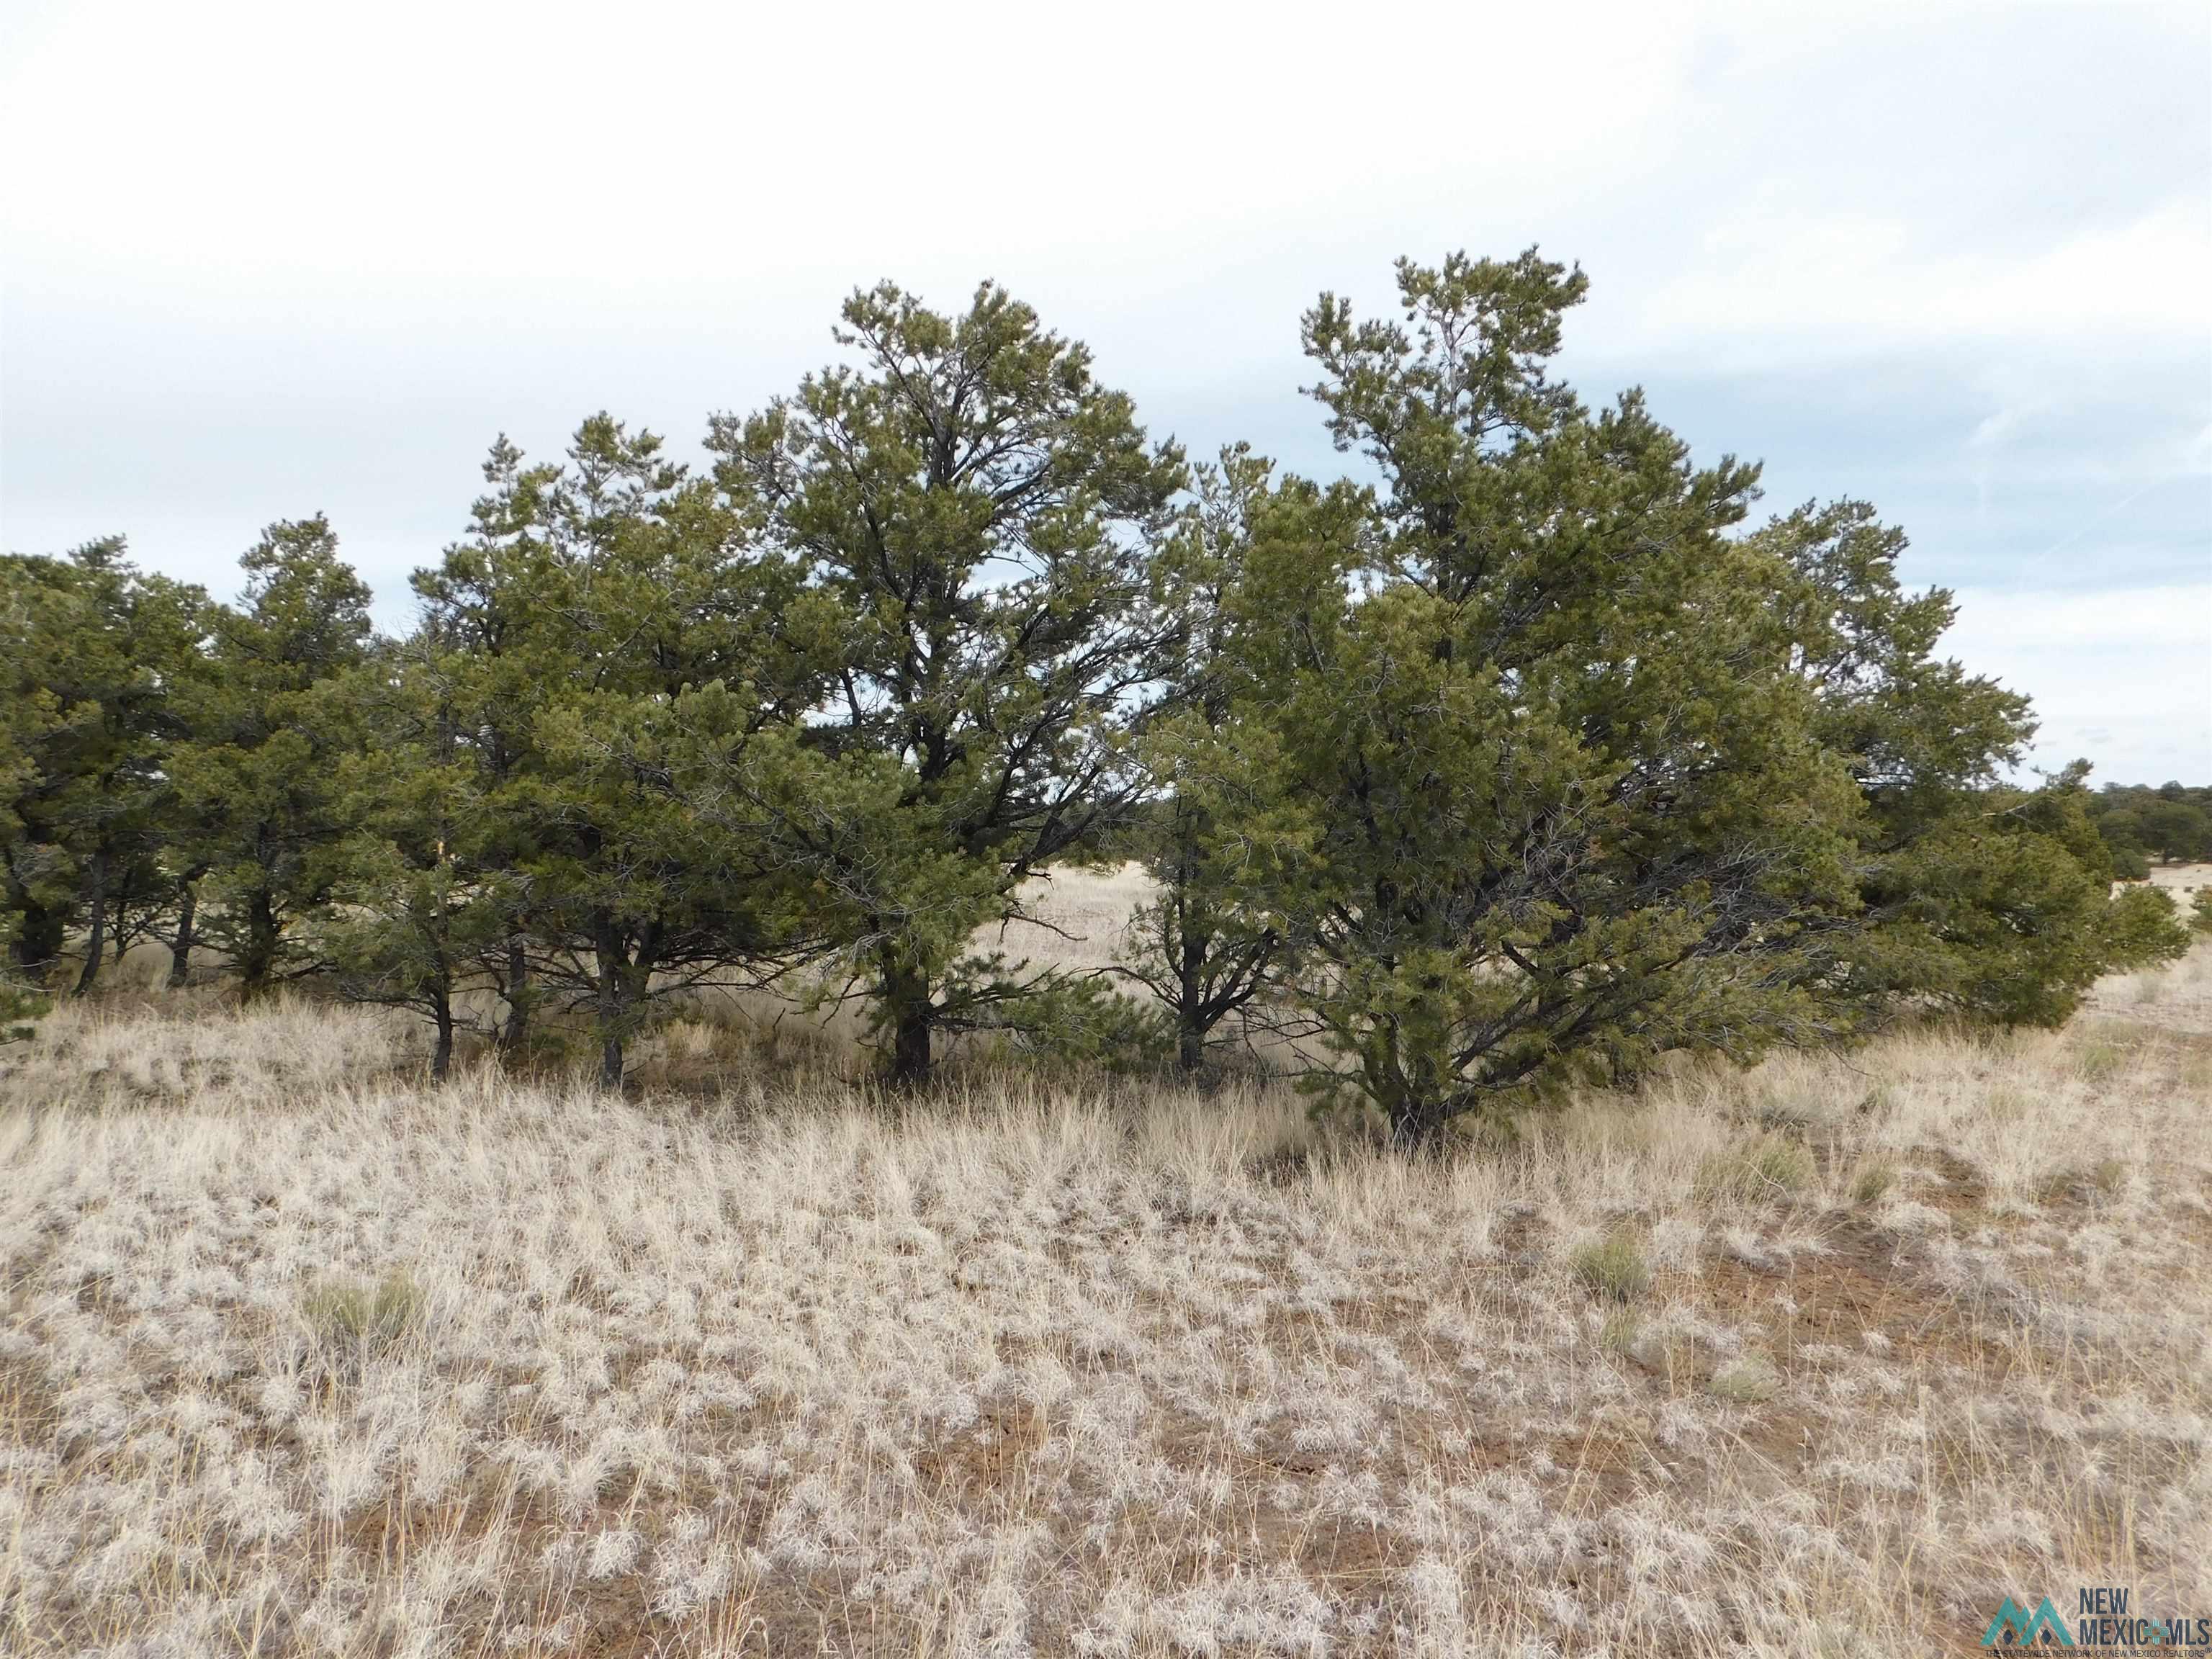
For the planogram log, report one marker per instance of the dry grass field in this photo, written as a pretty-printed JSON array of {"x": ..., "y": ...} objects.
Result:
[{"x": 298, "y": 1356}]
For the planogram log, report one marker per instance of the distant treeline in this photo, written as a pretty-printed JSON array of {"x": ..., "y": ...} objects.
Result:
[
  {"x": 2168, "y": 824},
  {"x": 1519, "y": 767}
]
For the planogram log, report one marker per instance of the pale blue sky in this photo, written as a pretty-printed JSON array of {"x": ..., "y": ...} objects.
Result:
[{"x": 264, "y": 260}]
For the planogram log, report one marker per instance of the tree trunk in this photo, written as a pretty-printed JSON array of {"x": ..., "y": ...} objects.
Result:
[
  {"x": 1415, "y": 1124},
  {"x": 1190, "y": 1034},
  {"x": 38, "y": 941},
  {"x": 514, "y": 1030},
  {"x": 906, "y": 998},
  {"x": 97, "y": 943},
  {"x": 1414, "y": 1114},
  {"x": 180, "y": 951},
  {"x": 612, "y": 1000},
  {"x": 258, "y": 964},
  {"x": 441, "y": 1057},
  {"x": 910, "y": 1058}
]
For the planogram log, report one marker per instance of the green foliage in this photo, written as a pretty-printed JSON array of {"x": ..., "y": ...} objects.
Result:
[
  {"x": 976, "y": 516},
  {"x": 416, "y": 898},
  {"x": 1085, "y": 1024},
  {"x": 1520, "y": 768},
  {"x": 363, "y": 1318},
  {"x": 2001, "y": 907},
  {"x": 94, "y": 653},
  {"x": 20, "y": 1003},
  {"x": 1989, "y": 900},
  {"x": 2200, "y": 910},
  {"x": 1537, "y": 799},
  {"x": 1201, "y": 955},
  {"x": 607, "y": 626},
  {"x": 2171, "y": 822},
  {"x": 1612, "y": 1268},
  {"x": 255, "y": 776}
]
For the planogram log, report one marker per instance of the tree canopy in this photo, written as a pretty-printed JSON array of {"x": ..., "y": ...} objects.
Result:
[{"x": 1518, "y": 759}]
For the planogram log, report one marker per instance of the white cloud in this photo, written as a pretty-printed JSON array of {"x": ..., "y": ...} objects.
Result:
[
  {"x": 1814, "y": 285},
  {"x": 2122, "y": 676}
]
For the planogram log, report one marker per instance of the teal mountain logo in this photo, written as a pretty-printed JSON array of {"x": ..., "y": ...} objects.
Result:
[{"x": 2014, "y": 1625}]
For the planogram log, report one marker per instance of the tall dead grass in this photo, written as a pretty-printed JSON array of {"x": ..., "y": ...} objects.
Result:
[{"x": 297, "y": 1356}]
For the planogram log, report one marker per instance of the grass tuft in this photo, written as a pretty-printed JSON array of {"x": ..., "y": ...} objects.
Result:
[
  {"x": 1768, "y": 1167},
  {"x": 367, "y": 1317},
  {"x": 1747, "y": 1380},
  {"x": 1612, "y": 1268}
]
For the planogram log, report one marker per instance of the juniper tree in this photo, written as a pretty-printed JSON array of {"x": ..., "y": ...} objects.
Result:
[
  {"x": 255, "y": 778},
  {"x": 503, "y": 648},
  {"x": 1199, "y": 952},
  {"x": 1988, "y": 899},
  {"x": 414, "y": 906},
  {"x": 1552, "y": 801},
  {"x": 597, "y": 594},
  {"x": 97, "y": 651},
  {"x": 19, "y": 1001},
  {"x": 981, "y": 513}
]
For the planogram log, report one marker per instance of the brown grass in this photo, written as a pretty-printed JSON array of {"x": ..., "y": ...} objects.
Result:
[{"x": 299, "y": 1356}]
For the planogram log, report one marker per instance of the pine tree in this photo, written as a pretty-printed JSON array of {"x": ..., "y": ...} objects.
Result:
[
  {"x": 98, "y": 651},
  {"x": 1975, "y": 895},
  {"x": 255, "y": 778},
  {"x": 415, "y": 905},
  {"x": 502, "y": 650},
  {"x": 1199, "y": 952},
  {"x": 596, "y": 596},
  {"x": 982, "y": 515},
  {"x": 1552, "y": 803}
]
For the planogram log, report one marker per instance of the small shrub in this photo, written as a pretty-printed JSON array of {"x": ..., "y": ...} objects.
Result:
[
  {"x": 1611, "y": 1268},
  {"x": 2109, "y": 1175},
  {"x": 368, "y": 1317},
  {"x": 1084, "y": 1024},
  {"x": 1771, "y": 1166}
]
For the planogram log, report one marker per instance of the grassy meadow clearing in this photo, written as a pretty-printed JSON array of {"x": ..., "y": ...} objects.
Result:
[{"x": 299, "y": 1355}]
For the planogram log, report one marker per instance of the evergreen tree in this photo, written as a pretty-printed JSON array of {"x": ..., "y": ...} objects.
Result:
[
  {"x": 594, "y": 597},
  {"x": 1551, "y": 803},
  {"x": 503, "y": 648},
  {"x": 981, "y": 513},
  {"x": 416, "y": 905},
  {"x": 256, "y": 778},
  {"x": 19, "y": 1001},
  {"x": 98, "y": 651},
  {"x": 1989, "y": 899},
  {"x": 1199, "y": 952}
]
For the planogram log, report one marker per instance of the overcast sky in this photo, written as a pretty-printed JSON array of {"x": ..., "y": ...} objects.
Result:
[{"x": 261, "y": 261}]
